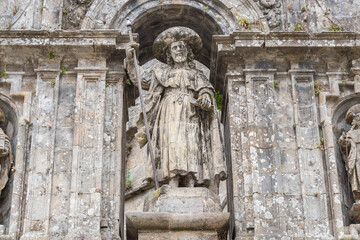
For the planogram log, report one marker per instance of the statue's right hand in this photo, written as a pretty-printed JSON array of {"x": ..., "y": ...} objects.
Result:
[
  {"x": 4, "y": 152},
  {"x": 131, "y": 48}
]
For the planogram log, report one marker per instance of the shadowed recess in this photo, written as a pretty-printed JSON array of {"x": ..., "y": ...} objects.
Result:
[{"x": 153, "y": 22}]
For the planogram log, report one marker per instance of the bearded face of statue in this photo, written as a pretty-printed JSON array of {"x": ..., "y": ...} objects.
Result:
[
  {"x": 179, "y": 51},
  {"x": 356, "y": 121}
]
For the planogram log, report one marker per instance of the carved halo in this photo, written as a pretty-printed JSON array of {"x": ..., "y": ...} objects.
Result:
[
  {"x": 352, "y": 112},
  {"x": 175, "y": 34}
]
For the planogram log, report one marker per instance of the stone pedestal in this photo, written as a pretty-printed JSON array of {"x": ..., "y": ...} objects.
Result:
[
  {"x": 179, "y": 213},
  {"x": 168, "y": 199},
  {"x": 355, "y": 213}
]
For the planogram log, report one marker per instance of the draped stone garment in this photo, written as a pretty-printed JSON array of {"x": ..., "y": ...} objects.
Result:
[
  {"x": 185, "y": 138},
  {"x": 350, "y": 147},
  {"x": 5, "y": 161}
]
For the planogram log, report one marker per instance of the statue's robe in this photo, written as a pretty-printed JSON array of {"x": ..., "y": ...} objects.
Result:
[
  {"x": 186, "y": 139},
  {"x": 5, "y": 161}
]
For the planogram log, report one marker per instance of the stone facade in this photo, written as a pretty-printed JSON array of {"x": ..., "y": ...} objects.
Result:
[{"x": 287, "y": 72}]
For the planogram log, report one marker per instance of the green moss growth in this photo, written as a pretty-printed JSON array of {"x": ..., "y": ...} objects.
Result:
[
  {"x": 245, "y": 23},
  {"x": 219, "y": 100},
  {"x": 298, "y": 27},
  {"x": 335, "y": 28},
  {"x": 276, "y": 84}
]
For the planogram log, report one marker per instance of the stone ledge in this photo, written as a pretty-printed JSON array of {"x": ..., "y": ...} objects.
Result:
[
  {"x": 205, "y": 221},
  {"x": 287, "y": 39},
  {"x": 110, "y": 38}
]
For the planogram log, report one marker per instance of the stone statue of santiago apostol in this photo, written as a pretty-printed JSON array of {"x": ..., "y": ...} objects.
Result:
[{"x": 182, "y": 115}]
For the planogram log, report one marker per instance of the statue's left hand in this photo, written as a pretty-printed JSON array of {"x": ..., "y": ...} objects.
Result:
[{"x": 205, "y": 101}]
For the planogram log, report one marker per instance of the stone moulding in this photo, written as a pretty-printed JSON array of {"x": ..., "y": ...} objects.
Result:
[
  {"x": 162, "y": 222},
  {"x": 83, "y": 38},
  {"x": 289, "y": 39}
]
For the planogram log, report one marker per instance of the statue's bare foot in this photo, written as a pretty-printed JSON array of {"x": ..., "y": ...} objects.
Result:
[
  {"x": 174, "y": 182},
  {"x": 190, "y": 180}
]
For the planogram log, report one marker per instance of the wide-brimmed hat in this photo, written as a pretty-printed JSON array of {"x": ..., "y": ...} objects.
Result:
[
  {"x": 351, "y": 113},
  {"x": 174, "y": 34}
]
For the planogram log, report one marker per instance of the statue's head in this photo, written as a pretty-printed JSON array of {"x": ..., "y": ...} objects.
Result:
[
  {"x": 177, "y": 44},
  {"x": 356, "y": 119},
  {"x": 353, "y": 115}
]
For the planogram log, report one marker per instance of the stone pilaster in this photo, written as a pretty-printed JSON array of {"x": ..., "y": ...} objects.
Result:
[
  {"x": 289, "y": 195},
  {"x": 326, "y": 101},
  {"x": 310, "y": 147},
  {"x": 61, "y": 175},
  {"x": 114, "y": 145},
  {"x": 356, "y": 72},
  {"x": 19, "y": 176},
  {"x": 264, "y": 154},
  {"x": 40, "y": 168},
  {"x": 238, "y": 147},
  {"x": 87, "y": 162}
]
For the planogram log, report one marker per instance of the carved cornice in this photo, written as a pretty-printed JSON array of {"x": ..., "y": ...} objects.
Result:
[
  {"x": 83, "y": 38},
  {"x": 47, "y": 74},
  {"x": 287, "y": 39},
  {"x": 91, "y": 74},
  {"x": 115, "y": 76}
]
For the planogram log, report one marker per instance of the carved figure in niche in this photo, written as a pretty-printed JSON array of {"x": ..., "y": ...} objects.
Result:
[
  {"x": 350, "y": 147},
  {"x": 182, "y": 114},
  {"x": 5, "y": 155}
]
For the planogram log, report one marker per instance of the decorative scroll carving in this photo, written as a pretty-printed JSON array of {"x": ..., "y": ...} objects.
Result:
[{"x": 271, "y": 10}]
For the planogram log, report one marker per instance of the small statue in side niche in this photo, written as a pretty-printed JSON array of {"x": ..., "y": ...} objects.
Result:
[
  {"x": 182, "y": 114},
  {"x": 350, "y": 148},
  {"x": 5, "y": 155}
]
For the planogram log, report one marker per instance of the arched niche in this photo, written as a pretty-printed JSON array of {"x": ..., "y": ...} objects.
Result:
[
  {"x": 151, "y": 17},
  {"x": 154, "y": 21},
  {"x": 339, "y": 126},
  {"x": 10, "y": 127}
]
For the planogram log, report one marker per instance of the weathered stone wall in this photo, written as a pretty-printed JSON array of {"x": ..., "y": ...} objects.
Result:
[
  {"x": 274, "y": 15},
  {"x": 286, "y": 82},
  {"x": 68, "y": 137},
  {"x": 280, "y": 103}
]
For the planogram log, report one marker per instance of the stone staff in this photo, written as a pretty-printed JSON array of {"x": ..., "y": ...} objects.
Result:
[{"x": 137, "y": 71}]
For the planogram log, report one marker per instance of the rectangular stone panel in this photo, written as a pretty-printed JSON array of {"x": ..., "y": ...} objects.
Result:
[
  {"x": 308, "y": 137},
  {"x": 304, "y": 91},
  {"x": 289, "y": 160},
  {"x": 292, "y": 184}
]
